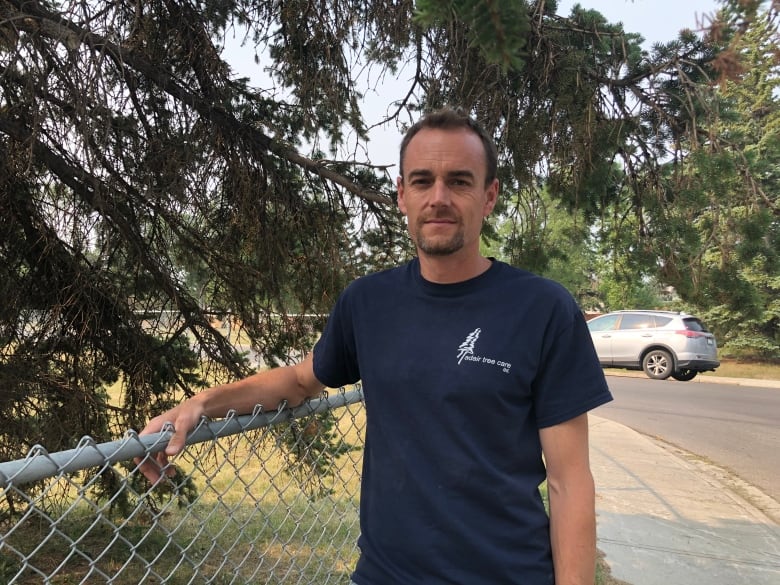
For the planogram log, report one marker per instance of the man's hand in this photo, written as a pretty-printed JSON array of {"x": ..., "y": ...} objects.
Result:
[
  {"x": 269, "y": 388},
  {"x": 184, "y": 418}
]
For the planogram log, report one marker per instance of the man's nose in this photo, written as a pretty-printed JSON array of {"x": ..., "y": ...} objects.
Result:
[{"x": 440, "y": 193}]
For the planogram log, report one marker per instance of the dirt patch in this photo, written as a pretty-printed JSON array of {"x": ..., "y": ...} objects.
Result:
[{"x": 604, "y": 574}]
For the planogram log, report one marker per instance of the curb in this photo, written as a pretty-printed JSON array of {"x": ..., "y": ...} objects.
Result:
[{"x": 755, "y": 382}]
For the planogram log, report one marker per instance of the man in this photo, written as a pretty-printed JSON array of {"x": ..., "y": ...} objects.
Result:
[{"x": 471, "y": 370}]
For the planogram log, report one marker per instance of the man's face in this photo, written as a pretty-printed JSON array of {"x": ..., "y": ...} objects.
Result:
[{"x": 443, "y": 192}]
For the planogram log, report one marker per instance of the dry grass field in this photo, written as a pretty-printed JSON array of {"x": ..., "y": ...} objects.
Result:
[{"x": 730, "y": 368}]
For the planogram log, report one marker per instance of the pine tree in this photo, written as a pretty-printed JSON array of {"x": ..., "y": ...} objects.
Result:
[{"x": 150, "y": 196}]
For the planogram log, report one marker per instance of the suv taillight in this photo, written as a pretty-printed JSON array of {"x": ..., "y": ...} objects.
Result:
[{"x": 690, "y": 334}]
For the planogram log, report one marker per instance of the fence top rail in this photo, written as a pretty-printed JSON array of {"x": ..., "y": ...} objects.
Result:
[{"x": 40, "y": 464}]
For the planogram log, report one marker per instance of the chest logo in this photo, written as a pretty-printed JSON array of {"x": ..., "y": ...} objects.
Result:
[
  {"x": 466, "y": 352},
  {"x": 467, "y": 347}
]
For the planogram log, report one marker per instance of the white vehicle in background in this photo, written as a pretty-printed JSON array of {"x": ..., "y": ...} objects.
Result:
[{"x": 662, "y": 343}]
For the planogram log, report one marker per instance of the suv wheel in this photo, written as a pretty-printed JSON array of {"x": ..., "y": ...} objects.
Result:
[
  {"x": 684, "y": 375},
  {"x": 657, "y": 364}
]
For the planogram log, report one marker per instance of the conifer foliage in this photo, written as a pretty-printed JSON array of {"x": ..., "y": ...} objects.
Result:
[{"x": 156, "y": 208}]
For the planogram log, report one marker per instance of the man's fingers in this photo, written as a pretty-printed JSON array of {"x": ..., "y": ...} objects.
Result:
[
  {"x": 177, "y": 441},
  {"x": 162, "y": 465},
  {"x": 177, "y": 420},
  {"x": 153, "y": 466},
  {"x": 149, "y": 468}
]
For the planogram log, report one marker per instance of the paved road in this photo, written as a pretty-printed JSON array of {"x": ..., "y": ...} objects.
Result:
[{"x": 735, "y": 427}]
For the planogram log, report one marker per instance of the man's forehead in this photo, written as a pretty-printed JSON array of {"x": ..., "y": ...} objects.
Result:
[
  {"x": 453, "y": 172},
  {"x": 457, "y": 148},
  {"x": 446, "y": 136}
]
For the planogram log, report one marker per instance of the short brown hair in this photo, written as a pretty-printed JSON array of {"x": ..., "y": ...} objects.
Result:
[{"x": 450, "y": 118}]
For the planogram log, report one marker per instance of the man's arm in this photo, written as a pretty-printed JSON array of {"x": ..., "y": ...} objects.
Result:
[
  {"x": 572, "y": 501},
  {"x": 292, "y": 384}
]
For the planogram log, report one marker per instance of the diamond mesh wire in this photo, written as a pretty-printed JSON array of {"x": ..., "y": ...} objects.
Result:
[{"x": 261, "y": 498}]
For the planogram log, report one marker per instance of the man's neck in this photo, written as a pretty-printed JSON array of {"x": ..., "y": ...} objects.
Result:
[{"x": 451, "y": 268}]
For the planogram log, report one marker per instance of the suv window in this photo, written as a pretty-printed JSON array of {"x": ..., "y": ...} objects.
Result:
[
  {"x": 603, "y": 323},
  {"x": 662, "y": 321},
  {"x": 693, "y": 324},
  {"x": 635, "y": 321}
]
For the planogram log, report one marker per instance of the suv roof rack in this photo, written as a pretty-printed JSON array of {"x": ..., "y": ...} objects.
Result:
[{"x": 650, "y": 311}]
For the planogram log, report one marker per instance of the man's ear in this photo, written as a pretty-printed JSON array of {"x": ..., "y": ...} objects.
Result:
[
  {"x": 399, "y": 186},
  {"x": 491, "y": 198}
]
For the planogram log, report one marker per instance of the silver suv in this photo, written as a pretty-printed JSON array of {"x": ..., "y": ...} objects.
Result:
[{"x": 662, "y": 343}]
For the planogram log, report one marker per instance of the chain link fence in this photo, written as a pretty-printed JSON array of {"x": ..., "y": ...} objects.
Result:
[{"x": 270, "y": 497}]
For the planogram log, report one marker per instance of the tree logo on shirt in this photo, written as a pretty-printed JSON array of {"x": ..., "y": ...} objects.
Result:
[
  {"x": 466, "y": 352},
  {"x": 467, "y": 347}
]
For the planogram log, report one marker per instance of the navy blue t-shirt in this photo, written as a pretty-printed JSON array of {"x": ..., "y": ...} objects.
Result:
[{"x": 458, "y": 379}]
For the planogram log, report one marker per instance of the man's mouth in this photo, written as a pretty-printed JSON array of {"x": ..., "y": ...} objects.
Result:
[{"x": 440, "y": 220}]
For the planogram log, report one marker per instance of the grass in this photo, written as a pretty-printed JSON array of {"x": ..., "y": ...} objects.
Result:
[
  {"x": 732, "y": 368},
  {"x": 221, "y": 542}
]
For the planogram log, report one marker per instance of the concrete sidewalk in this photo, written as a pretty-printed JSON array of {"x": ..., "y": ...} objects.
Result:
[{"x": 667, "y": 518}]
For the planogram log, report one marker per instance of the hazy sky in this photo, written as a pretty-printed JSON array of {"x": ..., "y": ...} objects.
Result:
[{"x": 656, "y": 20}]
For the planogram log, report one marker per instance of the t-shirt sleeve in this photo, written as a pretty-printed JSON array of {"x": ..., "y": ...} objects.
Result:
[
  {"x": 335, "y": 354},
  {"x": 570, "y": 380}
]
